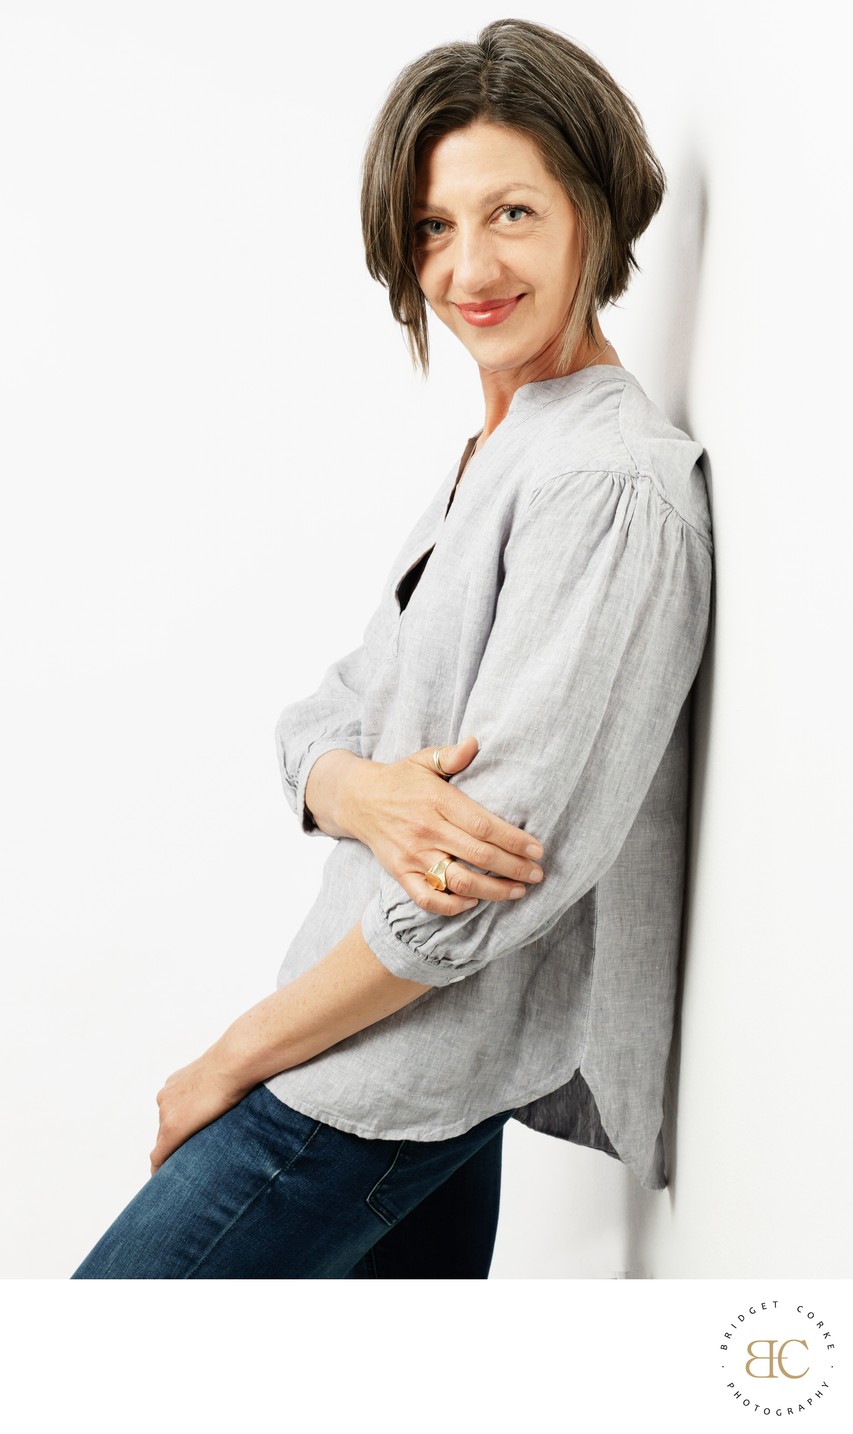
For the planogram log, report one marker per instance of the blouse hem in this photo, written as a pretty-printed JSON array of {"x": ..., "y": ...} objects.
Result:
[{"x": 459, "y": 1127}]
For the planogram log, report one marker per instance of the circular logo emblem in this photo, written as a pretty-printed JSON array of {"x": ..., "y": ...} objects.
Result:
[{"x": 777, "y": 1357}]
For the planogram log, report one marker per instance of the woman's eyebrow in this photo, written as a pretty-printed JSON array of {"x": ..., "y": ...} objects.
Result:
[{"x": 491, "y": 198}]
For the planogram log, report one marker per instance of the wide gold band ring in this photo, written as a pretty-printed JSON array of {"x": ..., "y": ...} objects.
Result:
[{"x": 435, "y": 874}]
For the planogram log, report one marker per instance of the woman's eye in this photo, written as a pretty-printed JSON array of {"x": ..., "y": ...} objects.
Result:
[
  {"x": 517, "y": 210},
  {"x": 430, "y": 228}
]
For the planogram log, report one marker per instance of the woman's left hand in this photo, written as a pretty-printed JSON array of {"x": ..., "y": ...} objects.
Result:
[{"x": 191, "y": 1098}]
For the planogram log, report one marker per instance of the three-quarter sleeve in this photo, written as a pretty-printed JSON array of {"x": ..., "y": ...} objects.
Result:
[
  {"x": 330, "y": 717},
  {"x": 598, "y": 632}
]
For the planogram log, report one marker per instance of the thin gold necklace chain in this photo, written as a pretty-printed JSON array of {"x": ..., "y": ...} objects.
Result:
[{"x": 595, "y": 356}]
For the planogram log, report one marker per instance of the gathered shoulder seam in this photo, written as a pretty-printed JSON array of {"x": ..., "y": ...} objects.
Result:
[
  {"x": 576, "y": 473},
  {"x": 649, "y": 475},
  {"x": 702, "y": 536},
  {"x": 632, "y": 478}
]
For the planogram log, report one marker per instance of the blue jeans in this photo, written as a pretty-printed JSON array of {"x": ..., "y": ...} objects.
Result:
[{"x": 264, "y": 1193}]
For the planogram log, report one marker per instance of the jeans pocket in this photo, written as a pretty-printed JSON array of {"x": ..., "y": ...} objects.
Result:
[
  {"x": 419, "y": 1166},
  {"x": 376, "y": 1197}
]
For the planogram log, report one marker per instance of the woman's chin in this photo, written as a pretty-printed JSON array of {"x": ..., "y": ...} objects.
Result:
[{"x": 498, "y": 355}]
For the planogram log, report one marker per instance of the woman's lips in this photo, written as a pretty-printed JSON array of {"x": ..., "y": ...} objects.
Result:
[{"x": 482, "y": 316}]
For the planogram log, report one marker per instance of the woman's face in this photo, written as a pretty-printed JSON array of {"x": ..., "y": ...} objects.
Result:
[{"x": 496, "y": 247}]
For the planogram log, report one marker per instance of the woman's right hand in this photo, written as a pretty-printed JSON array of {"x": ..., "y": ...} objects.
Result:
[{"x": 410, "y": 817}]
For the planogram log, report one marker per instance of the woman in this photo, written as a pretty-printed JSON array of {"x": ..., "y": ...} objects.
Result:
[{"x": 505, "y": 943}]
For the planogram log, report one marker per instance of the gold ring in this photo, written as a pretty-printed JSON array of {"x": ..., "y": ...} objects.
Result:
[
  {"x": 435, "y": 874},
  {"x": 436, "y": 762}
]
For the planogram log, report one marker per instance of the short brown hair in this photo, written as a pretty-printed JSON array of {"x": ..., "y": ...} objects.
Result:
[{"x": 589, "y": 132}]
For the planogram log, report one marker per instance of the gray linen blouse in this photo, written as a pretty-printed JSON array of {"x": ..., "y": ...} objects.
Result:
[{"x": 554, "y": 603}]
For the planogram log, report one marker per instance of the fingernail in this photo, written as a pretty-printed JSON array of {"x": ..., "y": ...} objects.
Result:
[
  {"x": 535, "y": 849},
  {"x": 473, "y": 902},
  {"x": 517, "y": 890}
]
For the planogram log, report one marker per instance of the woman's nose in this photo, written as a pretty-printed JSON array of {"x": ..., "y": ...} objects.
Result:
[{"x": 476, "y": 265}]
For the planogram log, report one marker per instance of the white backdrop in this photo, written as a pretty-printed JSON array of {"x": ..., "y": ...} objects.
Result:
[{"x": 212, "y": 443}]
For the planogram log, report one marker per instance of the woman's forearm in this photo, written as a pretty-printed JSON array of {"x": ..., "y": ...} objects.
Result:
[{"x": 346, "y": 991}]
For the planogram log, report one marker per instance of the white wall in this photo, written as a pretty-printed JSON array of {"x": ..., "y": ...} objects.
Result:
[{"x": 183, "y": 292}]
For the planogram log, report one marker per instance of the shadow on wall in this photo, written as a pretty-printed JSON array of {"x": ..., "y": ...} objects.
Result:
[
  {"x": 676, "y": 336},
  {"x": 676, "y": 312}
]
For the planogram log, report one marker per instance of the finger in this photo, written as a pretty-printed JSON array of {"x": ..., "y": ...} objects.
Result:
[
  {"x": 453, "y": 756},
  {"x": 159, "y": 1155},
  {"x": 161, "y": 1152},
  {"x": 470, "y": 884},
  {"x": 478, "y": 824},
  {"x": 441, "y": 903},
  {"x": 489, "y": 857}
]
